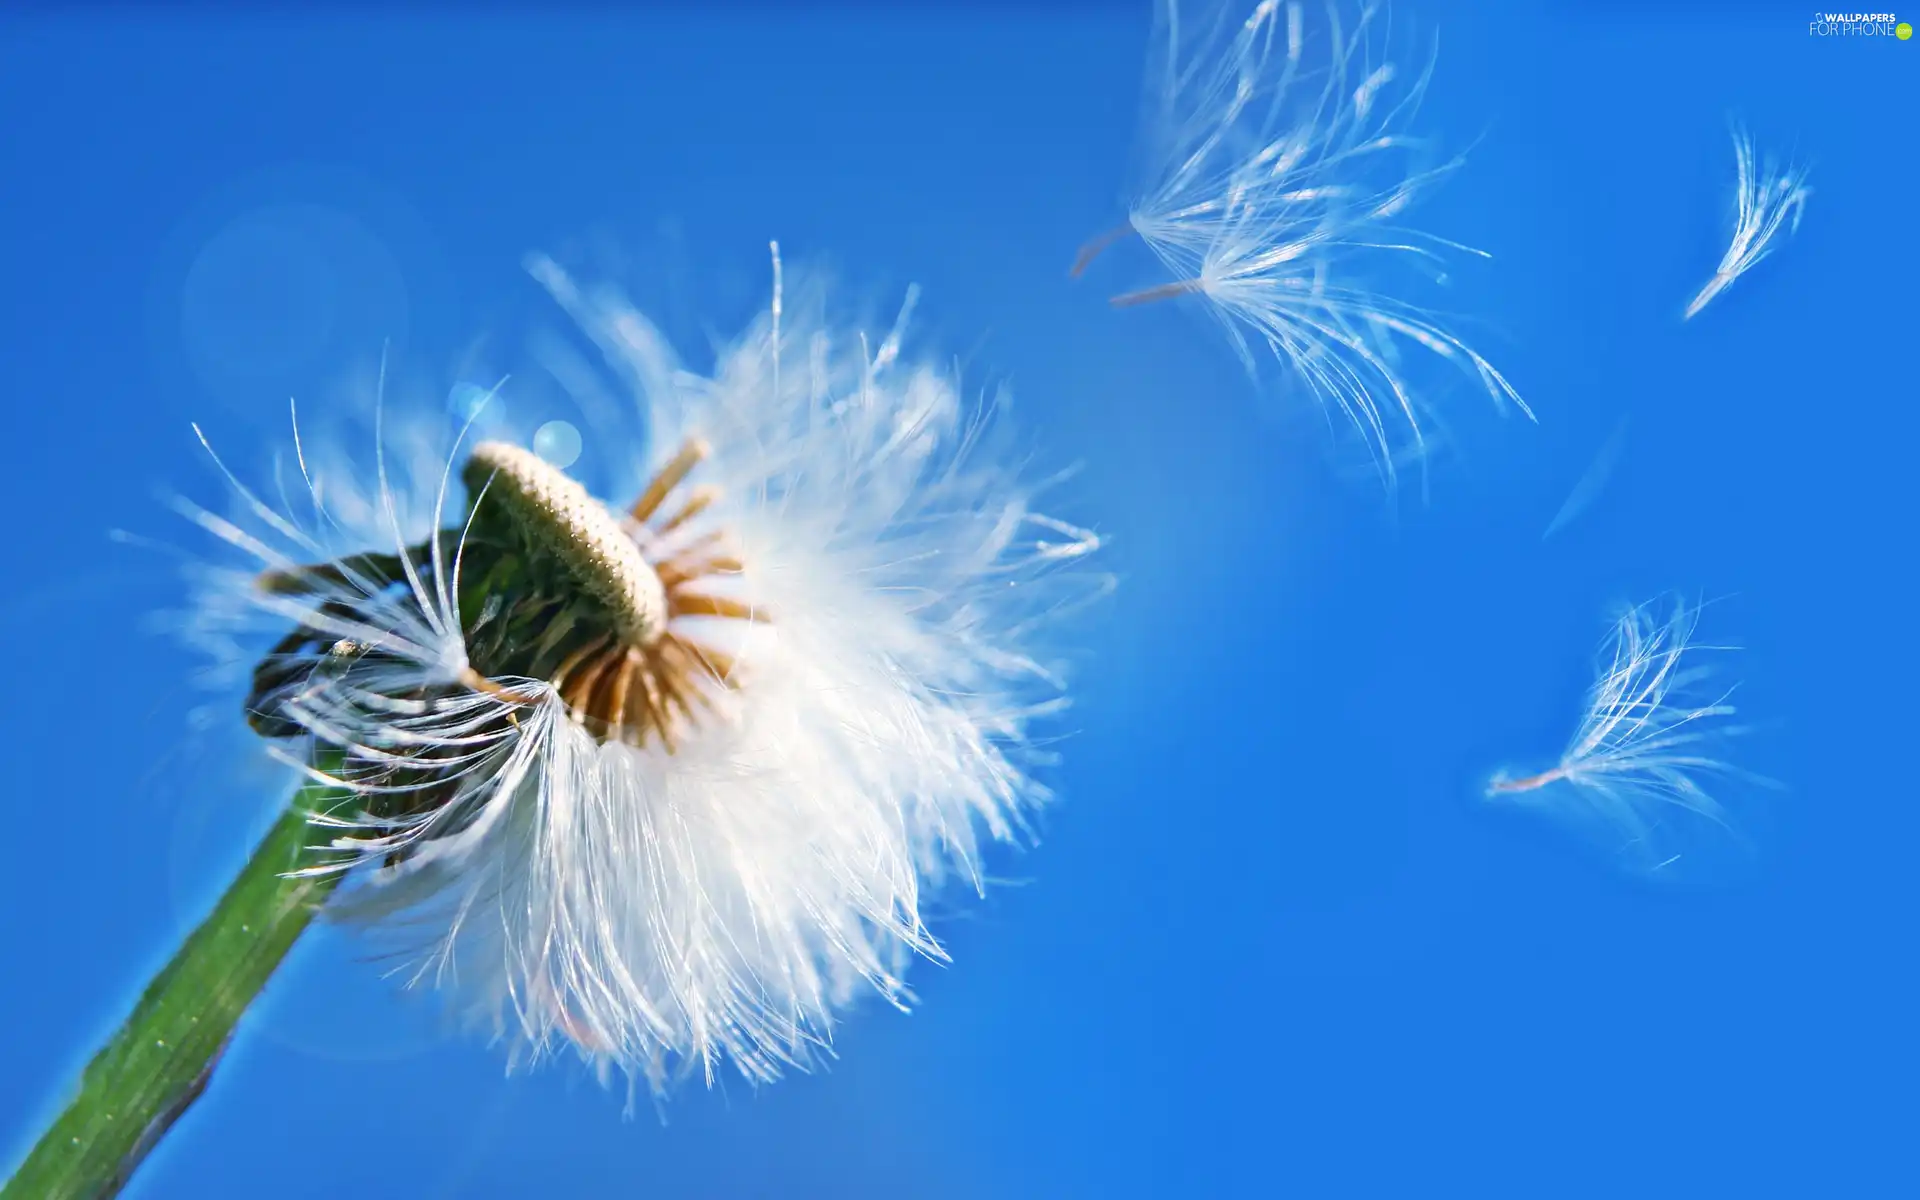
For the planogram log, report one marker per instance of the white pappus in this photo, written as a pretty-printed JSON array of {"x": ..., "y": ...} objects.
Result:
[
  {"x": 1642, "y": 769},
  {"x": 1276, "y": 168},
  {"x": 669, "y": 782},
  {"x": 1766, "y": 197}
]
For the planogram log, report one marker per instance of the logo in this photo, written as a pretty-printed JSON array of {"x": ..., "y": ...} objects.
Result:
[{"x": 1858, "y": 24}]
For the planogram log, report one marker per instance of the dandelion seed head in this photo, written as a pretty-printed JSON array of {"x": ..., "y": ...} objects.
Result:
[{"x": 672, "y": 785}]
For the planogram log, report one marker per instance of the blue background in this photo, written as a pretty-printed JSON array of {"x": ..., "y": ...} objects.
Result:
[{"x": 1271, "y": 943}]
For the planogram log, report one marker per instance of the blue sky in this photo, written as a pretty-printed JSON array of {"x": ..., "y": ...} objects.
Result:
[{"x": 1270, "y": 942}]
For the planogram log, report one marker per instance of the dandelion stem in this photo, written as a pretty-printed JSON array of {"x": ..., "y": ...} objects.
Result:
[{"x": 161, "y": 1058}]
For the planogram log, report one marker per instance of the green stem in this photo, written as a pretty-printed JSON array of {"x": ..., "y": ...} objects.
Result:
[{"x": 161, "y": 1058}]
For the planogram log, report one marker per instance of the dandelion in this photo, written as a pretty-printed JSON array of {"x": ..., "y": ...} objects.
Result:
[
  {"x": 1766, "y": 196},
  {"x": 669, "y": 782},
  {"x": 1640, "y": 765},
  {"x": 1274, "y": 183}
]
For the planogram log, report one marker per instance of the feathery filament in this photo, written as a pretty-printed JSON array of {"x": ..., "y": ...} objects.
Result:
[
  {"x": 1765, "y": 198},
  {"x": 1643, "y": 756},
  {"x": 1273, "y": 183}
]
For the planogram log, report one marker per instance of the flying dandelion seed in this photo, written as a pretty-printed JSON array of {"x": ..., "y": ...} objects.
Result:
[
  {"x": 1639, "y": 768},
  {"x": 670, "y": 783},
  {"x": 1277, "y": 170},
  {"x": 1766, "y": 196}
]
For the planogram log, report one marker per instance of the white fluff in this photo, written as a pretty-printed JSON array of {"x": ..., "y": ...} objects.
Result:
[
  {"x": 1277, "y": 167},
  {"x": 1640, "y": 769},
  {"x": 1766, "y": 196},
  {"x": 663, "y": 913}
]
